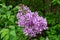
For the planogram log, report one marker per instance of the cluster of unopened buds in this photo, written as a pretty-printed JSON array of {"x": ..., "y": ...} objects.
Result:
[{"x": 32, "y": 23}]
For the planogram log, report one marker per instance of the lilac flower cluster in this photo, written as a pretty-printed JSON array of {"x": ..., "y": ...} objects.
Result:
[{"x": 32, "y": 23}]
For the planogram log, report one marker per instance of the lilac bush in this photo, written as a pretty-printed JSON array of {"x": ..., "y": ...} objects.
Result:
[{"x": 32, "y": 23}]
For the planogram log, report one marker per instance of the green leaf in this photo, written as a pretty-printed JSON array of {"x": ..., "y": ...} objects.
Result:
[
  {"x": 12, "y": 33},
  {"x": 3, "y": 16},
  {"x": 11, "y": 19},
  {"x": 41, "y": 38},
  {"x": 9, "y": 7},
  {"x": 21, "y": 36},
  {"x": 8, "y": 13},
  {"x": 15, "y": 8},
  {"x": 3, "y": 5},
  {"x": 4, "y": 34},
  {"x": 58, "y": 2},
  {"x": 53, "y": 1}
]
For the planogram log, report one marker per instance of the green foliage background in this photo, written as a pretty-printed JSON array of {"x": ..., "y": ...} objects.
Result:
[{"x": 50, "y": 9}]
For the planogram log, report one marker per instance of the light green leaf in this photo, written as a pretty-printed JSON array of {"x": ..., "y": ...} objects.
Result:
[
  {"x": 15, "y": 8},
  {"x": 4, "y": 34},
  {"x": 11, "y": 19},
  {"x": 41, "y": 38},
  {"x": 12, "y": 33},
  {"x": 9, "y": 7},
  {"x": 21, "y": 36},
  {"x": 58, "y": 2}
]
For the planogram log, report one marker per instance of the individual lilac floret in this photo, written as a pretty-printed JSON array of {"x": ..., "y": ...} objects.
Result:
[{"x": 32, "y": 23}]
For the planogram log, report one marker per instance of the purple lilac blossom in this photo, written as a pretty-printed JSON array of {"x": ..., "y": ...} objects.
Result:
[{"x": 32, "y": 23}]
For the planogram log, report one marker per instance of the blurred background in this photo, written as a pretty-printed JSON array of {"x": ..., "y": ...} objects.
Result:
[{"x": 49, "y": 9}]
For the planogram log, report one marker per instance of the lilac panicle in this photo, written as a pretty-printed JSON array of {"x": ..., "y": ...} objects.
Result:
[{"x": 32, "y": 23}]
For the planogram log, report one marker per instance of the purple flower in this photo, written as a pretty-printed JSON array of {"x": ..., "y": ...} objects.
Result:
[{"x": 33, "y": 23}]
